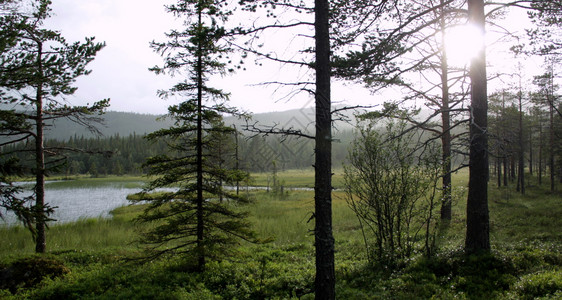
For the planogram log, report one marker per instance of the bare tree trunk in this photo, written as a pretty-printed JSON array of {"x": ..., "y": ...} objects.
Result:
[
  {"x": 551, "y": 146},
  {"x": 40, "y": 238},
  {"x": 512, "y": 168},
  {"x": 531, "y": 152},
  {"x": 521, "y": 168},
  {"x": 446, "y": 127},
  {"x": 237, "y": 159},
  {"x": 325, "y": 281},
  {"x": 505, "y": 171},
  {"x": 540, "y": 153},
  {"x": 477, "y": 215},
  {"x": 499, "y": 169}
]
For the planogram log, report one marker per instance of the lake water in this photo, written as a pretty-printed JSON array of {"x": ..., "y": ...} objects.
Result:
[
  {"x": 75, "y": 200},
  {"x": 80, "y": 202}
]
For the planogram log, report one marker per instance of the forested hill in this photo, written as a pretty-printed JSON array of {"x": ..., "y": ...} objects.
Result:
[
  {"x": 123, "y": 138},
  {"x": 125, "y": 123},
  {"x": 121, "y": 123}
]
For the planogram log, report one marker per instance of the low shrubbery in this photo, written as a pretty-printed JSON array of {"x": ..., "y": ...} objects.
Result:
[
  {"x": 526, "y": 264},
  {"x": 27, "y": 272}
]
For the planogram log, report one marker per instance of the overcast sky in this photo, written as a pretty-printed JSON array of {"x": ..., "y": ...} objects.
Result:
[{"x": 120, "y": 70}]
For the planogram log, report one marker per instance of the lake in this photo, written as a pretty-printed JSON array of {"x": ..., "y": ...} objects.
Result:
[
  {"x": 82, "y": 199},
  {"x": 90, "y": 198}
]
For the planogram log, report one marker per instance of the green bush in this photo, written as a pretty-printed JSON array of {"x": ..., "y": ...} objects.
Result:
[
  {"x": 542, "y": 284},
  {"x": 29, "y": 271}
]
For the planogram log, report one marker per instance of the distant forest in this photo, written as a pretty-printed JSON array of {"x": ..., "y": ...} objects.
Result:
[{"x": 124, "y": 150}]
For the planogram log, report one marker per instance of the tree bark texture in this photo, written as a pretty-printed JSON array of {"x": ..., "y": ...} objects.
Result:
[
  {"x": 477, "y": 215},
  {"x": 521, "y": 177},
  {"x": 200, "y": 214},
  {"x": 445, "y": 128},
  {"x": 323, "y": 239},
  {"x": 40, "y": 226},
  {"x": 552, "y": 149}
]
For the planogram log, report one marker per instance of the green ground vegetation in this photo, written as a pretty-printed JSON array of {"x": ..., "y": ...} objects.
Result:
[
  {"x": 90, "y": 259},
  {"x": 295, "y": 178}
]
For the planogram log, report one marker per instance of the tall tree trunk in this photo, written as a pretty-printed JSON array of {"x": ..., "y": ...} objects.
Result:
[
  {"x": 446, "y": 126},
  {"x": 531, "y": 152},
  {"x": 505, "y": 170},
  {"x": 477, "y": 215},
  {"x": 499, "y": 169},
  {"x": 200, "y": 214},
  {"x": 512, "y": 169},
  {"x": 325, "y": 281},
  {"x": 540, "y": 153},
  {"x": 237, "y": 159},
  {"x": 551, "y": 148},
  {"x": 40, "y": 226},
  {"x": 521, "y": 168}
]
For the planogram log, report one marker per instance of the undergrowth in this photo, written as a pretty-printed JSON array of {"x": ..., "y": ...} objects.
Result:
[{"x": 525, "y": 262}]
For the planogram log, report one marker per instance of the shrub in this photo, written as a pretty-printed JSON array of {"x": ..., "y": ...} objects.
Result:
[
  {"x": 28, "y": 272},
  {"x": 391, "y": 186},
  {"x": 540, "y": 285}
]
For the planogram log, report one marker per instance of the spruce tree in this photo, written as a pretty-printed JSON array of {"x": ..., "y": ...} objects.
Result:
[{"x": 191, "y": 220}]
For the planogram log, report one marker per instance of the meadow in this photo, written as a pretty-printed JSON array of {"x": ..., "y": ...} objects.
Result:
[{"x": 91, "y": 255}]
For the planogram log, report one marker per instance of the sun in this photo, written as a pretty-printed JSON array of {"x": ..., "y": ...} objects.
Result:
[{"x": 463, "y": 43}]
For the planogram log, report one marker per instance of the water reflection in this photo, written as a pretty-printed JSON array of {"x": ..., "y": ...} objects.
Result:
[
  {"x": 78, "y": 202},
  {"x": 91, "y": 199}
]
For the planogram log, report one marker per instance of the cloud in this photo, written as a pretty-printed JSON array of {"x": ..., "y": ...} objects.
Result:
[{"x": 120, "y": 70}]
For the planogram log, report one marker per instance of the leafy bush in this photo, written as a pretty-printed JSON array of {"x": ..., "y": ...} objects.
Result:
[{"x": 391, "y": 186}]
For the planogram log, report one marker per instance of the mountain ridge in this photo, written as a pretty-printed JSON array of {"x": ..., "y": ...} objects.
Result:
[{"x": 128, "y": 123}]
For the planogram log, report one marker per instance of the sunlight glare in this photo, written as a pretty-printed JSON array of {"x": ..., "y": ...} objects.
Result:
[{"x": 462, "y": 44}]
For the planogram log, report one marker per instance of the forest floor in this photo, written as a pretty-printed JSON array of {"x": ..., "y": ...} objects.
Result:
[{"x": 88, "y": 259}]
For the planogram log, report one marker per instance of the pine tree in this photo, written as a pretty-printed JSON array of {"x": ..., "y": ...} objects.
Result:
[
  {"x": 477, "y": 214},
  {"x": 38, "y": 68}
]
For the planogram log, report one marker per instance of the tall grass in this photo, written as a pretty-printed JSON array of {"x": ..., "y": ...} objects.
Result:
[
  {"x": 288, "y": 218},
  {"x": 82, "y": 235},
  {"x": 284, "y": 219},
  {"x": 295, "y": 178}
]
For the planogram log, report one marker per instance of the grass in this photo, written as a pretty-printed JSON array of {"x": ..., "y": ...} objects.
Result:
[
  {"x": 82, "y": 235},
  {"x": 526, "y": 261},
  {"x": 89, "y": 182},
  {"x": 295, "y": 178}
]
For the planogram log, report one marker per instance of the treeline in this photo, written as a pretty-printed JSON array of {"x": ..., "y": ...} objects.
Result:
[
  {"x": 526, "y": 130},
  {"x": 120, "y": 155},
  {"x": 96, "y": 156}
]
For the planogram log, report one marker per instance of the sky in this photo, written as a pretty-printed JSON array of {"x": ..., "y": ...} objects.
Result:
[{"x": 120, "y": 70}]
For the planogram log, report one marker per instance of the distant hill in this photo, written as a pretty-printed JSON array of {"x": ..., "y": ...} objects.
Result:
[
  {"x": 126, "y": 123},
  {"x": 122, "y": 123}
]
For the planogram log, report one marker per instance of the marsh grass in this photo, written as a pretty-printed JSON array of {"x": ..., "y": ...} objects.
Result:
[
  {"x": 296, "y": 178},
  {"x": 84, "y": 234},
  {"x": 283, "y": 219},
  {"x": 86, "y": 182},
  {"x": 535, "y": 216}
]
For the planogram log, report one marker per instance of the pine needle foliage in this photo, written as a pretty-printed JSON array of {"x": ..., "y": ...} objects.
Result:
[
  {"x": 38, "y": 69},
  {"x": 198, "y": 218}
]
